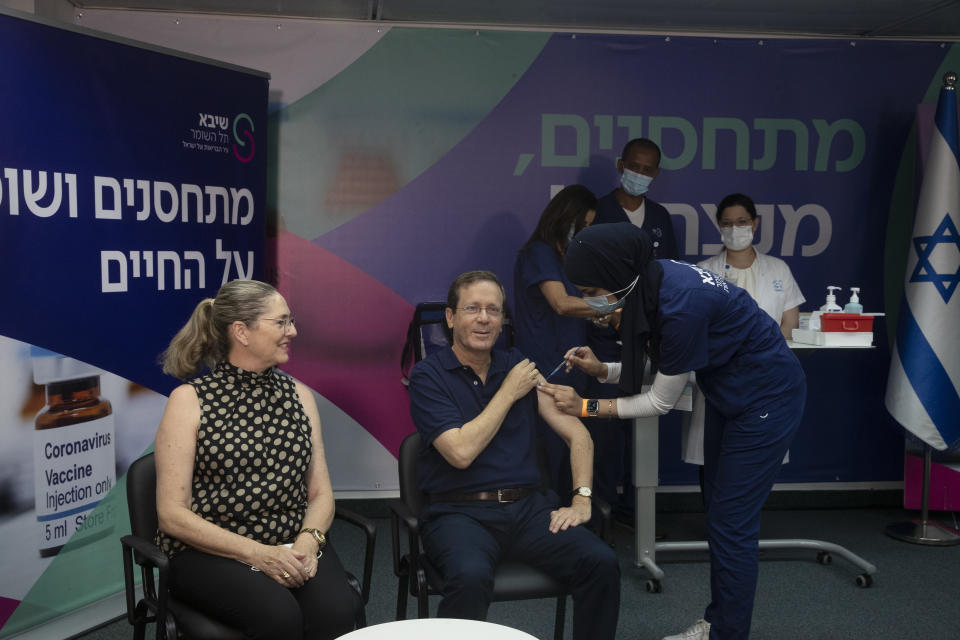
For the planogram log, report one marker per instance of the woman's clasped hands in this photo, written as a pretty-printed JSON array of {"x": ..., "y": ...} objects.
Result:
[{"x": 291, "y": 566}]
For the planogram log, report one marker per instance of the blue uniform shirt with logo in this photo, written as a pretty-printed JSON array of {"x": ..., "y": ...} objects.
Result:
[
  {"x": 445, "y": 394},
  {"x": 712, "y": 327},
  {"x": 656, "y": 222}
]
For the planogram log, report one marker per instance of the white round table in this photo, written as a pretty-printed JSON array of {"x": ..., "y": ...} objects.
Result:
[{"x": 437, "y": 629}]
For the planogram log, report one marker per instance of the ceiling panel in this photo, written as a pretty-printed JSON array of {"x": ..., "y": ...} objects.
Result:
[
  {"x": 329, "y": 9},
  {"x": 937, "y": 19}
]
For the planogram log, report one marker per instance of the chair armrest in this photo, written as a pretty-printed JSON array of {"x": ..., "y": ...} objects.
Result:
[
  {"x": 370, "y": 531},
  {"x": 129, "y": 582},
  {"x": 401, "y": 513},
  {"x": 148, "y": 557},
  {"x": 604, "y": 519},
  {"x": 354, "y": 518},
  {"x": 147, "y": 553},
  {"x": 399, "y": 509}
]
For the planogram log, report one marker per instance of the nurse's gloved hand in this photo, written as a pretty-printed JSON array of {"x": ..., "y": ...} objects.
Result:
[
  {"x": 611, "y": 320},
  {"x": 584, "y": 359},
  {"x": 602, "y": 321},
  {"x": 565, "y": 398}
]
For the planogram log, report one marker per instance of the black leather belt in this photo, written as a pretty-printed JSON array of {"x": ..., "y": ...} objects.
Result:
[{"x": 496, "y": 495}]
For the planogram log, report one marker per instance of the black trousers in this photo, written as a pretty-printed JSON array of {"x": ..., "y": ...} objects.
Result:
[
  {"x": 324, "y": 608},
  {"x": 465, "y": 541}
]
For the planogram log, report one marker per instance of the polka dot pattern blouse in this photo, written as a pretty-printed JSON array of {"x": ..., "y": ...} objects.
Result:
[{"x": 253, "y": 451}]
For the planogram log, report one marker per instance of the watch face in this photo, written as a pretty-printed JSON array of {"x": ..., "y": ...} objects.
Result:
[{"x": 593, "y": 407}]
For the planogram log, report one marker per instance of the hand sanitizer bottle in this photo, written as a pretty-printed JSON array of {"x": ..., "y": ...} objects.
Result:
[
  {"x": 831, "y": 306},
  {"x": 854, "y": 305}
]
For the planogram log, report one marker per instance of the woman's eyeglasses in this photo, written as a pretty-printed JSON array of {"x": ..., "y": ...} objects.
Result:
[{"x": 282, "y": 323}]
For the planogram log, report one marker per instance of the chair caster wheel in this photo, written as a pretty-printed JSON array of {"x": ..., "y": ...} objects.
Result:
[
  {"x": 824, "y": 557},
  {"x": 654, "y": 586},
  {"x": 864, "y": 580}
]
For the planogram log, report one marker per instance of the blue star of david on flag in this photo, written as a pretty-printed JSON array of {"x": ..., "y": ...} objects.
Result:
[
  {"x": 923, "y": 389},
  {"x": 946, "y": 234}
]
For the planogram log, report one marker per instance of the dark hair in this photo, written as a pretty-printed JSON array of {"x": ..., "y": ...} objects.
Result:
[
  {"x": 465, "y": 280},
  {"x": 469, "y": 278},
  {"x": 735, "y": 199},
  {"x": 641, "y": 144},
  {"x": 568, "y": 208},
  {"x": 205, "y": 338}
]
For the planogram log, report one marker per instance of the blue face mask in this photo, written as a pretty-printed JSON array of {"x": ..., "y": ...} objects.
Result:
[
  {"x": 636, "y": 184},
  {"x": 603, "y": 305}
]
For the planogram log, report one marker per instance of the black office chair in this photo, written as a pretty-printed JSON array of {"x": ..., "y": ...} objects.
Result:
[
  {"x": 418, "y": 577},
  {"x": 175, "y": 618}
]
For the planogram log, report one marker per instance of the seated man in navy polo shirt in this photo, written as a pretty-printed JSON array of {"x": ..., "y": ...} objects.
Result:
[{"x": 475, "y": 409}]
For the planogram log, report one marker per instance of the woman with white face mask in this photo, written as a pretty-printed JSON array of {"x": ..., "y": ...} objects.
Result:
[{"x": 767, "y": 279}]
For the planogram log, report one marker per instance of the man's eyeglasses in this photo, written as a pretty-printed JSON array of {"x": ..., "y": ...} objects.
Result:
[
  {"x": 473, "y": 310},
  {"x": 282, "y": 323}
]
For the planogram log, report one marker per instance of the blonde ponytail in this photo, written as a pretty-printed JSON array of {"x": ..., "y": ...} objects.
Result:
[
  {"x": 194, "y": 345},
  {"x": 204, "y": 340}
]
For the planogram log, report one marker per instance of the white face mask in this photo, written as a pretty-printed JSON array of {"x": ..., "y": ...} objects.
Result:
[
  {"x": 737, "y": 238},
  {"x": 636, "y": 184}
]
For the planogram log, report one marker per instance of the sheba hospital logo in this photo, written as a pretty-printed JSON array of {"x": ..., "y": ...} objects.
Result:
[
  {"x": 212, "y": 134},
  {"x": 243, "y": 128}
]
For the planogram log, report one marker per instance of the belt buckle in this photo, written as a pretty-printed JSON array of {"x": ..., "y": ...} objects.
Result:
[{"x": 500, "y": 496}]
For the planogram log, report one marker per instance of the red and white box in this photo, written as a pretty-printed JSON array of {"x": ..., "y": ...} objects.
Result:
[{"x": 839, "y": 330}]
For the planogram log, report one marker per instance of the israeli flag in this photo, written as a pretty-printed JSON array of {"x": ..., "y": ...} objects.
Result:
[{"x": 923, "y": 390}]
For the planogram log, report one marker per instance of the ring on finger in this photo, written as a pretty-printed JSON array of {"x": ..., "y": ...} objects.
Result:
[{"x": 285, "y": 575}]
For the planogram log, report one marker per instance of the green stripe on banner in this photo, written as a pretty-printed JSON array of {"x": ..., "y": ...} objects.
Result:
[
  {"x": 385, "y": 119},
  {"x": 902, "y": 205},
  {"x": 87, "y": 569}
]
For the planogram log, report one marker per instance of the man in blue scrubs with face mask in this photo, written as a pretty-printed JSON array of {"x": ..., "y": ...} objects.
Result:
[{"x": 638, "y": 165}]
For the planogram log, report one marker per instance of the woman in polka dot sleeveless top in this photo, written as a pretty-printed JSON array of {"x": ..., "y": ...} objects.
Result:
[
  {"x": 244, "y": 499},
  {"x": 253, "y": 450}
]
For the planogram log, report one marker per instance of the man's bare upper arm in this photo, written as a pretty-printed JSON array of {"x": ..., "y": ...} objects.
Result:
[{"x": 565, "y": 426}]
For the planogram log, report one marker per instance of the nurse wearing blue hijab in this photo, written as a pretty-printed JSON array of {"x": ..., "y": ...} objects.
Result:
[{"x": 685, "y": 318}]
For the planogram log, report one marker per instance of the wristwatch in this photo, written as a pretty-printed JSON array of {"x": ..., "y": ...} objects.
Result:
[
  {"x": 586, "y": 492},
  {"x": 317, "y": 535},
  {"x": 593, "y": 408}
]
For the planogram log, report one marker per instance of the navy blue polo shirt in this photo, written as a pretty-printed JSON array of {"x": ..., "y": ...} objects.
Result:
[
  {"x": 445, "y": 394},
  {"x": 541, "y": 333},
  {"x": 712, "y": 327}
]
